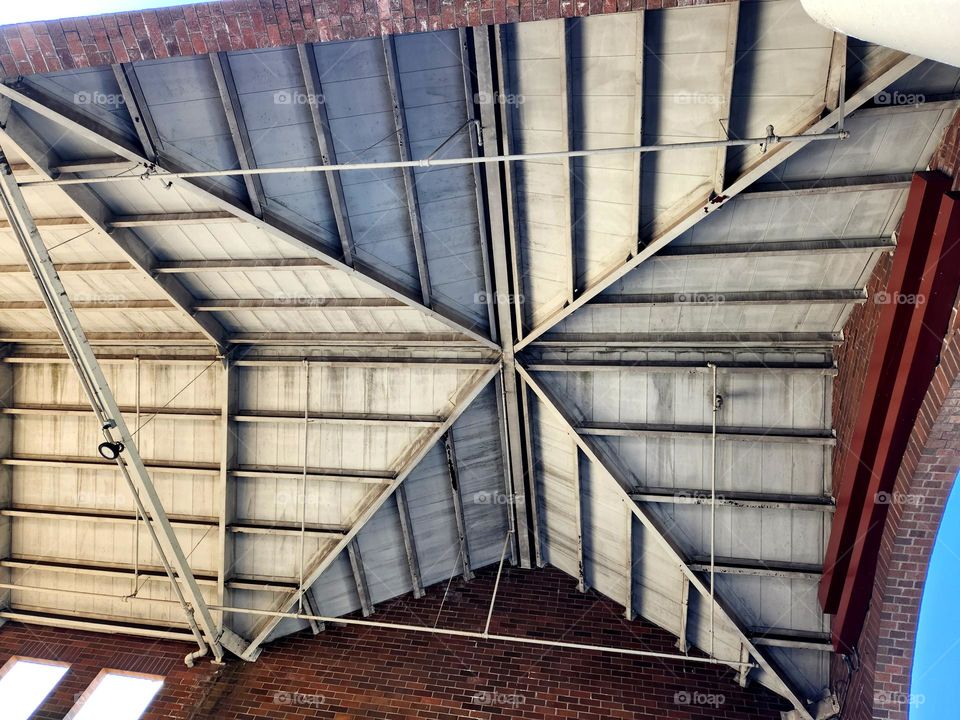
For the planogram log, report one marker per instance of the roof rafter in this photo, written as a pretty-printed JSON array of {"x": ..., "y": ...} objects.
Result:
[
  {"x": 506, "y": 293},
  {"x": 895, "y": 66},
  {"x": 227, "y": 87},
  {"x": 136, "y": 105},
  {"x": 409, "y": 177},
  {"x": 68, "y": 118},
  {"x": 328, "y": 153},
  {"x": 567, "y": 121},
  {"x": 726, "y": 95}
]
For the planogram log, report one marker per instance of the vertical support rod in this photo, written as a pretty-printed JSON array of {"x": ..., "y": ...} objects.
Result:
[
  {"x": 578, "y": 518},
  {"x": 715, "y": 408},
  {"x": 496, "y": 584},
  {"x": 303, "y": 476},
  {"x": 451, "y": 452},
  {"x": 628, "y": 548}
]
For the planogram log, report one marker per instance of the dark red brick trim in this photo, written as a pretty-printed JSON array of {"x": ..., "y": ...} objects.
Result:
[
  {"x": 246, "y": 24},
  {"x": 880, "y": 687}
]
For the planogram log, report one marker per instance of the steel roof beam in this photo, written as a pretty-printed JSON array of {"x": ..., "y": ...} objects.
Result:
[
  {"x": 250, "y": 360},
  {"x": 293, "y": 472},
  {"x": 578, "y": 518},
  {"x": 792, "y": 639},
  {"x": 567, "y": 120},
  {"x": 759, "y": 568},
  {"x": 134, "y": 221},
  {"x": 328, "y": 152},
  {"x": 147, "y": 573},
  {"x": 278, "y": 472},
  {"x": 360, "y": 578},
  {"x": 896, "y": 65},
  {"x": 305, "y": 303},
  {"x": 226, "y": 490},
  {"x": 80, "y": 411},
  {"x": 81, "y": 463},
  {"x": 618, "y": 481},
  {"x": 628, "y": 607},
  {"x": 683, "y": 642},
  {"x": 136, "y": 105},
  {"x": 209, "y": 217},
  {"x": 726, "y": 95},
  {"x": 409, "y": 177},
  {"x": 492, "y": 70},
  {"x": 728, "y": 433},
  {"x": 186, "y": 522},
  {"x": 30, "y": 617},
  {"x": 471, "y": 97},
  {"x": 638, "y": 108},
  {"x": 711, "y": 298},
  {"x": 77, "y": 267},
  {"x": 692, "y": 339},
  {"x": 370, "y": 339},
  {"x": 297, "y": 339},
  {"x": 218, "y": 266},
  {"x": 92, "y": 305},
  {"x": 341, "y": 418},
  {"x": 734, "y": 498},
  {"x": 78, "y": 166},
  {"x": 827, "y": 186},
  {"x": 409, "y": 541},
  {"x": 322, "y": 560},
  {"x": 505, "y": 284},
  {"x": 226, "y": 86},
  {"x": 782, "y": 247},
  {"x": 98, "y": 133},
  {"x": 530, "y": 480},
  {"x": 6, "y": 479},
  {"x": 744, "y": 367}
]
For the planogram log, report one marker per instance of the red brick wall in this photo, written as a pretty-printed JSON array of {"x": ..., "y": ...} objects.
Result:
[
  {"x": 244, "y": 24},
  {"x": 880, "y": 687},
  {"x": 362, "y": 672},
  {"x": 88, "y": 653}
]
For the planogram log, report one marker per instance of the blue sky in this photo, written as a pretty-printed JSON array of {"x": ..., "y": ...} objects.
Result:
[
  {"x": 934, "y": 690},
  {"x": 15, "y": 12}
]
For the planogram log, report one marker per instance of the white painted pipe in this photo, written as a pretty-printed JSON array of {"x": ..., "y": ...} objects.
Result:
[
  {"x": 927, "y": 29},
  {"x": 426, "y": 629},
  {"x": 765, "y": 143}
]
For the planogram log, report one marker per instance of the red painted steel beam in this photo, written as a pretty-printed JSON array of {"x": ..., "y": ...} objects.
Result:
[
  {"x": 929, "y": 323},
  {"x": 909, "y": 261}
]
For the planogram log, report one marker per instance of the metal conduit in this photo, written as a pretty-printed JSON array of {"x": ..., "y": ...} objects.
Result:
[
  {"x": 763, "y": 142},
  {"x": 417, "y": 628}
]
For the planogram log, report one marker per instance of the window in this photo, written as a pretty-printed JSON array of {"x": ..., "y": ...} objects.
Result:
[
  {"x": 24, "y": 683},
  {"x": 116, "y": 695}
]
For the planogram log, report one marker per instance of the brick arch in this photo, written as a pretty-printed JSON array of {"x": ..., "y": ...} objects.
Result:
[{"x": 880, "y": 688}]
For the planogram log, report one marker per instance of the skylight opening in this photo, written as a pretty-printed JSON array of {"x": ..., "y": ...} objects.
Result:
[
  {"x": 116, "y": 695},
  {"x": 25, "y": 683}
]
